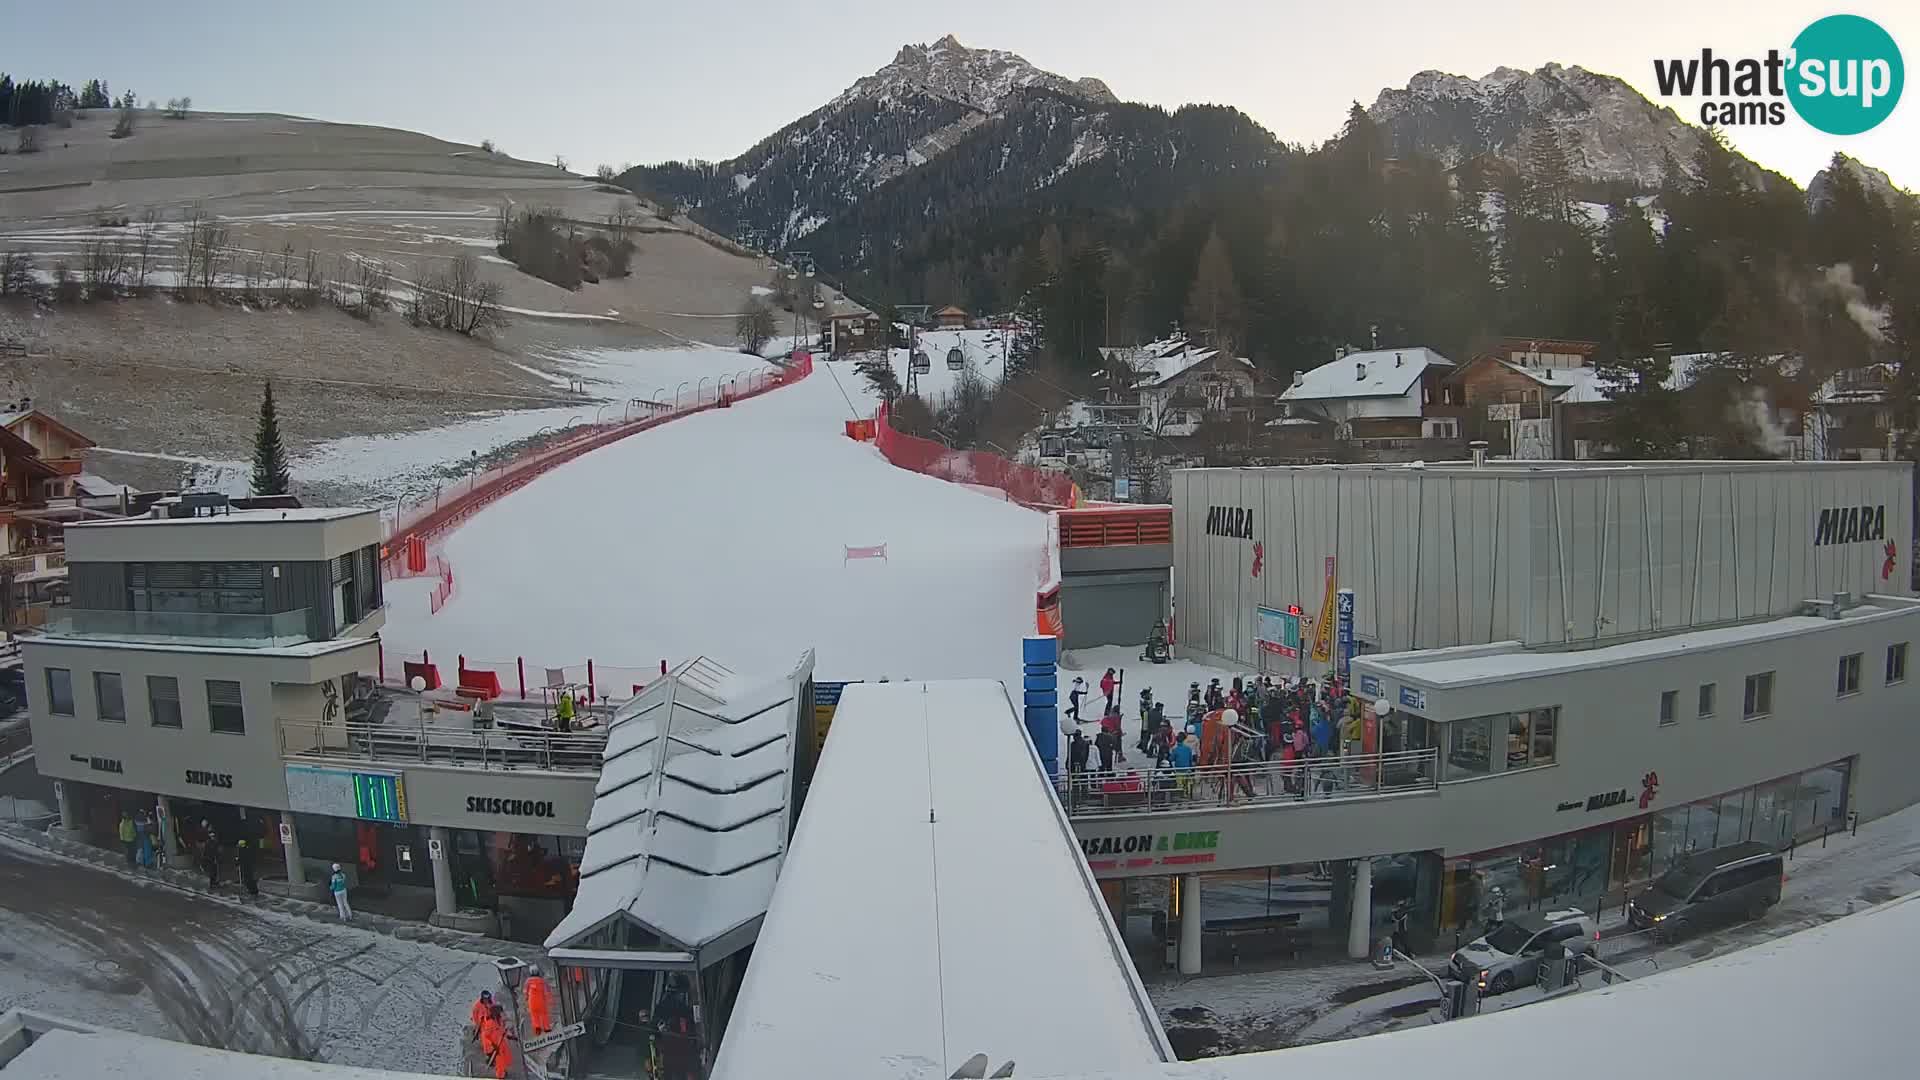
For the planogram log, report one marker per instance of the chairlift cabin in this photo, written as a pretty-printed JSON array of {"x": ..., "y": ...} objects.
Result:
[
  {"x": 921, "y": 365},
  {"x": 956, "y": 359}
]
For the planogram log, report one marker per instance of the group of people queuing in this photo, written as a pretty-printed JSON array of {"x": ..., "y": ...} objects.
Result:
[
  {"x": 1254, "y": 720},
  {"x": 140, "y": 837}
]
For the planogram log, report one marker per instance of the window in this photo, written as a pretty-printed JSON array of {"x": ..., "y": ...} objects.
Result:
[
  {"x": 1519, "y": 747},
  {"x": 1469, "y": 746},
  {"x": 1848, "y": 681},
  {"x": 1759, "y": 700},
  {"x": 163, "y": 700},
  {"x": 1669, "y": 707},
  {"x": 1706, "y": 700},
  {"x": 1897, "y": 663},
  {"x": 1546, "y": 725},
  {"x": 108, "y": 701},
  {"x": 59, "y": 691},
  {"x": 223, "y": 707}
]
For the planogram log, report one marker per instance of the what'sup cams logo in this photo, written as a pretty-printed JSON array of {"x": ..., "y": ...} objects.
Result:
[{"x": 1843, "y": 75}]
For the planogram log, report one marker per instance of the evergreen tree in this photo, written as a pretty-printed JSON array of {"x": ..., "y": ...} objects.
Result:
[{"x": 270, "y": 475}]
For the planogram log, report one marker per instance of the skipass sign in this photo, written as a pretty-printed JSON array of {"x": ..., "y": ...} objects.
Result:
[{"x": 1843, "y": 75}]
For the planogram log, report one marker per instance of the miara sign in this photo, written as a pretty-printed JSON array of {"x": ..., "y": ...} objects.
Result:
[
  {"x": 1231, "y": 521},
  {"x": 1850, "y": 525}
]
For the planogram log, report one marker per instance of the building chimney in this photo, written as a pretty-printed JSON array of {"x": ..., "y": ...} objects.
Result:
[
  {"x": 1360, "y": 372},
  {"x": 1299, "y": 379},
  {"x": 1397, "y": 361},
  {"x": 1479, "y": 448}
]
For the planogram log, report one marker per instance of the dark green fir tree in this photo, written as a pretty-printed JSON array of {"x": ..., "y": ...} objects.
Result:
[{"x": 269, "y": 457}]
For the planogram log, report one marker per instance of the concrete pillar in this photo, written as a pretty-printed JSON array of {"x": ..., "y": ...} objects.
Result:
[
  {"x": 1360, "y": 924},
  {"x": 1190, "y": 923},
  {"x": 290, "y": 850},
  {"x": 73, "y": 822},
  {"x": 443, "y": 897},
  {"x": 72, "y": 816}
]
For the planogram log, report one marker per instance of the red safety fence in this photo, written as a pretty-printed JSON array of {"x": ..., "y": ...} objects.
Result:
[
  {"x": 1108, "y": 526},
  {"x": 1040, "y": 489},
  {"x": 449, "y": 506}
]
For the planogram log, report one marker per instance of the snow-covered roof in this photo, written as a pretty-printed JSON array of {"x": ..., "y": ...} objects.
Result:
[
  {"x": 690, "y": 816},
  {"x": 1864, "y": 385},
  {"x": 1159, "y": 362},
  {"x": 226, "y": 516},
  {"x": 1584, "y": 385},
  {"x": 935, "y": 905},
  {"x": 1381, "y": 373},
  {"x": 1847, "y": 980},
  {"x": 1504, "y": 661}
]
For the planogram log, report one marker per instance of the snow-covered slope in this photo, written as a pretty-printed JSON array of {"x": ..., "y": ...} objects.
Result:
[
  {"x": 904, "y": 115},
  {"x": 1609, "y": 130},
  {"x": 725, "y": 534}
]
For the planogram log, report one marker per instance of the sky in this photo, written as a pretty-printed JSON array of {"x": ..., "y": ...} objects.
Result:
[{"x": 641, "y": 82}]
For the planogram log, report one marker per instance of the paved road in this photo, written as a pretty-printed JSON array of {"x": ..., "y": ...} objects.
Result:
[{"x": 82, "y": 942}]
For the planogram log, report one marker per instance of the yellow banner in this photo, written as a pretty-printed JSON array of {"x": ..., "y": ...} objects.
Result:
[{"x": 1323, "y": 627}]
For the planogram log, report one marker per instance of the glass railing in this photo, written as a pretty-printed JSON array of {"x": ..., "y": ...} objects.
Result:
[
  {"x": 1130, "y": 789},
  {"x": 183, "y": 627}
]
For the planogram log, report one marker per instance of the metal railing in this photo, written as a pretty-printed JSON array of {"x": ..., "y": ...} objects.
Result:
[
  {"x": 183, "y": 627},
  {"x": 496, "y": 748},
  {"x": 1133, "y": 790}
]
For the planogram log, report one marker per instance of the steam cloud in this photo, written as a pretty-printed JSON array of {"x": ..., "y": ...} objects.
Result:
[{"x": 1871, "y": 322}]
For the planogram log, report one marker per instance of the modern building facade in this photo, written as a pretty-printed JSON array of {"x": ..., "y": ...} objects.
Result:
[
  {"x": 1567, "y": 678},
  {"x": 217, "y": 667}
]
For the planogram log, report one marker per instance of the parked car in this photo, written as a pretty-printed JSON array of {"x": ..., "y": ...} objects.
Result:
[
  {"x": 1739, "y": 881},
  {"x": 1509, "y": 954}
]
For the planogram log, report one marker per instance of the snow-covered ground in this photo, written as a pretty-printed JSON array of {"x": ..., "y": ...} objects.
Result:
[
  {"x": 1264, "y": 1010},
  {"x": 984, "y": 351},
  {"x": 411, "y": 464},
  {"x": 80, "y": 942},
  {"x": 725, "y": 534},
  {"x": 1168, "y": 681}
]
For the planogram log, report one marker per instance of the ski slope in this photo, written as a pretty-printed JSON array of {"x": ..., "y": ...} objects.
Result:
[{"x": 724, "y": 534}]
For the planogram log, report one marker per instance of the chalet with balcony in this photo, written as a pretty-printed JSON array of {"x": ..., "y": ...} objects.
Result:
[{"x": 1381, "y": 405}]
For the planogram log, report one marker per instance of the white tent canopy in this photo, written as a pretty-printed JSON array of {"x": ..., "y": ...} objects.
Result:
[{"x": 691, "y": 815}]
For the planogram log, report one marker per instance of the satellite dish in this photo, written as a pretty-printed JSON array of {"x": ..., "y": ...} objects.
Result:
[{"x": 956, "y": 359}]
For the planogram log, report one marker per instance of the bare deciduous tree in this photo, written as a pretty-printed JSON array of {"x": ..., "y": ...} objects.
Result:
[
  {"x": 371, "y": 281},
  {"x": 144, "y": 235},
  {"x": 487, "y": 145},
  {"x": 283, "y": 273},
  {"x": 213, "y": 251},
  {"x": 177, "y": 108},
  {"x": 310, "y": 290},
  {"x": 560, "y": 162},
  {"x": 123, "y": 122},
  {"x": 753, "y": 327},
  {"x": 29, "y": 141},
  {"x": 105, "y": 269},
  {"x": 457, "y": 299},
  {"x": 16, "y": 273}
]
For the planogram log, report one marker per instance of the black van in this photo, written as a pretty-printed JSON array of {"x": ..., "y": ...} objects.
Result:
[{"x": 1739, "y": 881}]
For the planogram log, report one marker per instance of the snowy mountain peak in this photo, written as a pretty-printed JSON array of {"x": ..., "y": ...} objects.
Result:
[
  {"x": 1610, "y": 131},
  {"x": 979, "y": 78}
]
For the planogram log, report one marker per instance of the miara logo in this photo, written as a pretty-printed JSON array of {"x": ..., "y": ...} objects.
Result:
[
  {"x": 1850, "y": 525},
  {"x": 1234, "y": 521},
  {"x": 1843, "y": 74}
]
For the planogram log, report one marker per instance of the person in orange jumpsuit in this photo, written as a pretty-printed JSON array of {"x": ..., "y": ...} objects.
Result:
[
  {"x": 493, "y": 1043},
  {"x": 538, "y": 1012},
  {"x": 482, "y": 1009}
]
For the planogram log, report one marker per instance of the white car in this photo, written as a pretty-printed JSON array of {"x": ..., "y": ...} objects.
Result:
[{"x": 1509, "y": 955}]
